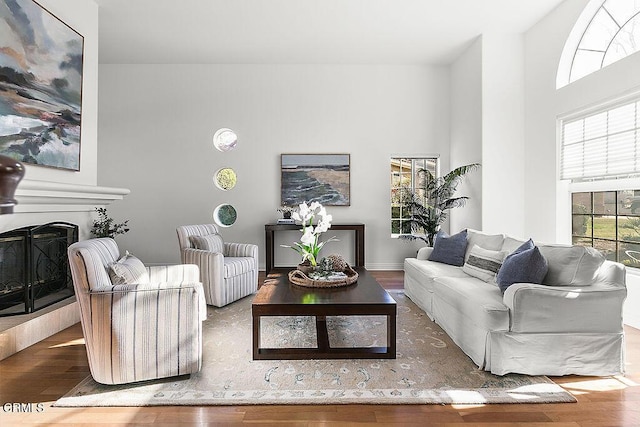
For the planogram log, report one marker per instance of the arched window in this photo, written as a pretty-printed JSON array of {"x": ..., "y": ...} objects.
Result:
[{"x": 606, "y": 31}]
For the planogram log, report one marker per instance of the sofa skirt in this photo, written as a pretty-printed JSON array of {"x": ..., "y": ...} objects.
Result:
[
  {"x": 504, "y": 352},
  {"x": 472, "y": 338},
  {"x": 556, "y": 354},
  {"x": 419, "y": 294}
]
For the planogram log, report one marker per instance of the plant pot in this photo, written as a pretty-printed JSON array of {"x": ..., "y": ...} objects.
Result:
[{"x": 306, "y": 267}]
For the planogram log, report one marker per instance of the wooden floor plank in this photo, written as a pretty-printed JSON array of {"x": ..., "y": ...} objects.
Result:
[{"x": 45, "y": 371}]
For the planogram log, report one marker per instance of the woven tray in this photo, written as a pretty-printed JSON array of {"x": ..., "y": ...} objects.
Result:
[{"x": 297, "y": 277}]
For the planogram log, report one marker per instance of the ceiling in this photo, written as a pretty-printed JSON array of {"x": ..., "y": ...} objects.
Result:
[{"x": 304, "y": 31}]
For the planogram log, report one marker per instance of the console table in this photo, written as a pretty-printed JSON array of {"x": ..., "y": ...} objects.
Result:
[{"x": 270, "y": 230}]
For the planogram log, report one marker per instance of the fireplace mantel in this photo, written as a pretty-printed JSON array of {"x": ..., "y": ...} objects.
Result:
[{"x": 43, "y": 196}]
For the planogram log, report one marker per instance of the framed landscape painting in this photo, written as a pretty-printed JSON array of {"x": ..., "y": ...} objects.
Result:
[
  {"x": 40, "y": 86},
  {"x": 323, "y": 178}
]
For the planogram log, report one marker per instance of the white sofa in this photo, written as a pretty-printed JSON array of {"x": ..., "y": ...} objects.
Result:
[{"x": 571, "y": 327}]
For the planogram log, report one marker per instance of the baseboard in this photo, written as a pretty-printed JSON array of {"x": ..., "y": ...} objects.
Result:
[{"x": 392, "y": 266}]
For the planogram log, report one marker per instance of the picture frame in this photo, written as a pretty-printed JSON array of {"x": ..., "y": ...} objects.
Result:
[
  {"x": 40, "y": 87},
  {"x": 323, "y": 178}
]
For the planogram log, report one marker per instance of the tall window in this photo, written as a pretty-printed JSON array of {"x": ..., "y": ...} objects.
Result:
[
  {"x": 407, "y": 179},
  {"x": 610, "y": 222},
  {"x": 602, "y": 144},
  {"x": 606, "y": 31}
]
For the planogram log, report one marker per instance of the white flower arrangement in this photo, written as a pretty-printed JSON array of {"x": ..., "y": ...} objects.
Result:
[{"x": 309, "y": 245}]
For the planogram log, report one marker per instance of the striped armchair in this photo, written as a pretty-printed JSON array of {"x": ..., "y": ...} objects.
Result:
[
  {"x": 228, "y": 273},
  {"x": 136, "y": 332}
]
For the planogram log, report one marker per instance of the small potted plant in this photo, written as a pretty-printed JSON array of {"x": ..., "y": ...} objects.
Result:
[
  {"x": 105, "y": 226},
  {"x": 286, "y": 211}
]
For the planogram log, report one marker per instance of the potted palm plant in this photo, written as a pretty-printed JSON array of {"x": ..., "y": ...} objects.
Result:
[{"x": 428, "y": 212}]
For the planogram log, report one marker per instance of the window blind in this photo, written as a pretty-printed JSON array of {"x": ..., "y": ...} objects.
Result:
[{"x": 602, "y": 144}]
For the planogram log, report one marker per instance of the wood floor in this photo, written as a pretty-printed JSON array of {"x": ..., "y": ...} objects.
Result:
[{"x": 42, "y": 373}]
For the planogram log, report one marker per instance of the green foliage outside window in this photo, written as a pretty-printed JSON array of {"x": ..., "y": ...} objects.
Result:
[{"x": 610, "y": 222}]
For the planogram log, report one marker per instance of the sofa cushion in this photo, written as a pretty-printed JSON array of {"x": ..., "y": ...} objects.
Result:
[
  {"x": 510, "y": 244},
  {"x": 210, "y": 242},
  {"x": 449, "y": 249},
  {"x": 525, "y": 265},
  {"x": 571, "y": 265},
  {"x": 484, "y": 263},
  {"x": 492, "y": 242},
  {"x": 430, "y": 269},
  {"x": 128, "y": 270},
  {"x": 478, "y": 300}
]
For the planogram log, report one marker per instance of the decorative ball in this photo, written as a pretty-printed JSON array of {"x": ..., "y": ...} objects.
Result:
[{"x": 337, "y": 263}]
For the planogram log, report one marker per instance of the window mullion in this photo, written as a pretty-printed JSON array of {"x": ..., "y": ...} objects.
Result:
[{"x": 406, "y": 181}]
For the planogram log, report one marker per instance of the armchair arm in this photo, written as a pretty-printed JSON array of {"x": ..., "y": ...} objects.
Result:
[
  {"x": 211, "y": 265},
  {"x": 137, "y": 293},
  {"x": 174, "y": 273},
  {"x": 541, "y": 308},
  {"x": 241, "y": 250},
  {"x": 158, "y": 287},
  {"x": 205, "y": 260}
]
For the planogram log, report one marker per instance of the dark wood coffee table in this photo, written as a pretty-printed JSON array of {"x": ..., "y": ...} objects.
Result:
[{"x": 279, "y": 297}]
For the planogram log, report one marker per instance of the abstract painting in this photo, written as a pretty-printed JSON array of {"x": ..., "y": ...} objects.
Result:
[
  {"x": 40, "y": 86},
  {"x": 322, "y": 178}
]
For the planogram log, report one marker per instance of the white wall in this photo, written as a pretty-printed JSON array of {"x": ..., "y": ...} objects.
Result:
[
  {"x": 503, "y": 133},
  {"x": 547, "y": 202},
  {"x": 487, "y": 122},
  {"x": 157, "y": 122},
  {"x": 466, "y": 133},
  {"x": 82, "y": 16}
]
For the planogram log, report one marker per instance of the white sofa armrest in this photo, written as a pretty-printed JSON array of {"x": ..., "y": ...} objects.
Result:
[
  {"x": 540, "y": 309},
  {"x": 424, "y": 253}
]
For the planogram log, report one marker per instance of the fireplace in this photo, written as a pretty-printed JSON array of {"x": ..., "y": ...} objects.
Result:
[{"x": 34, "y": 270}]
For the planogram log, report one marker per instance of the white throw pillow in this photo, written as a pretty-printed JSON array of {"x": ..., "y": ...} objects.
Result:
[
  {"x": 487, "y": 241},
  {"x": 128, "y": 270},
  {"x": 211, "y": 243},
  {"x": 484, "y": 263}
]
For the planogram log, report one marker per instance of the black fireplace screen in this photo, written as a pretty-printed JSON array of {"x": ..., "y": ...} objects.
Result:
[{"x": 34, "y": 270}]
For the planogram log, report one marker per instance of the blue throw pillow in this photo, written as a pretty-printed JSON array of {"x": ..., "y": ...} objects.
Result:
[
  {"x": 525, "y": 265},
  {"x": 523, "y": 247},
  {"x": 449, "y": 249}
]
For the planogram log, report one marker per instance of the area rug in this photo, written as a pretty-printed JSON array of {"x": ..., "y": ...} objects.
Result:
[{"x": 429, "y": 368}]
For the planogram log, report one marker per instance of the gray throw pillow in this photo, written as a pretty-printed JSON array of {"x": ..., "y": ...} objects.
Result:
[
  {"x": 525, "y": 265},
  {"x": 128, "y": 270},
  {"x": 211, "y": 243},
  {"x": 449, "y": 249}
]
